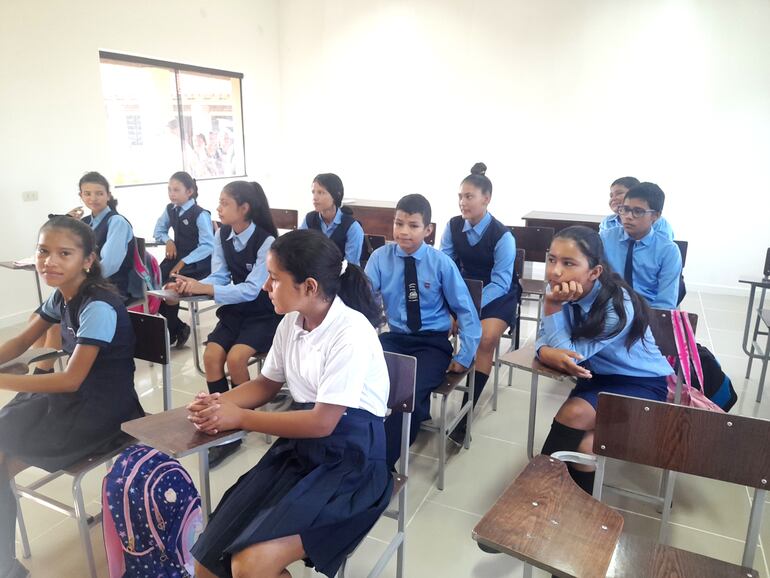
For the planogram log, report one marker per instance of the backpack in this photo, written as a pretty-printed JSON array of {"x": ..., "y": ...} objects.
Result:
[
  {"x": 152, "y": 516},
  {"x": 716, "y": 385},
  {"x": 145, "y": 276}
]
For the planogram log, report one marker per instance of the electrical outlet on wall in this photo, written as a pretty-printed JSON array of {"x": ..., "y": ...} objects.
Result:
[{"x": 29, "y": 196}]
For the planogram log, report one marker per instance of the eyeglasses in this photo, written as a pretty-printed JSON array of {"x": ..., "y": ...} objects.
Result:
[{"x": 637, "y": 212}]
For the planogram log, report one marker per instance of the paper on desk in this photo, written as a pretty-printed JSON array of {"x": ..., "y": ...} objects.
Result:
[
  {"x": 165, "y": 294},
  {"x": 25, "y": 262}
]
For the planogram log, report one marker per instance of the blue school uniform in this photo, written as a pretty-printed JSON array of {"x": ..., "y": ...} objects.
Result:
[
  {"x": 486, "y": 251},
  {"x": 638, "y": 371},
  {"x": 441, "y": 291},
  {"x": 344, "y": 230},
  {"x": 54, "y": 430},
  {"x": 657, "y": 265},
  {"x": 613, "y": 221},
  {"x": 331, "y": 490},
  {"x": 239, "y": 271},
  {"x": 115, "y": 246},
  {"x": 193, "y": 237}
]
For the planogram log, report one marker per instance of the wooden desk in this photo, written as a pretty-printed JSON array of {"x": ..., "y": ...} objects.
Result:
[
  {"x": 171, "y": 432},
  {"x": 20, "y": 365},
  {"x": 561, "y": 221},
  {"x": 27, "y": 267},
  {"x": 376, "y": 217}
]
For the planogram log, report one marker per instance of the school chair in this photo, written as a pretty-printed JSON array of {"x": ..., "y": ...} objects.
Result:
[
  {"x": 376, "y": 241},
  {"x": 152, "y": 344},
  {"x": 760, "y": 316},
  {"x": 452, "y": 382},
  {"x": 682, "y": 245},
  {"x": 544, "y": 519},
  {"x": 402, "y": 370},
  {"x": 513, "y": 332},
  {"x": 285, "y": 218},
  {"x": 535, "y": 241}
]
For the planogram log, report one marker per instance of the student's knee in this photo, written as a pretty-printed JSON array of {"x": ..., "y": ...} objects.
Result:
[
  {"x": 488, "y": 342},
  {"x": 238, "y": 357},
  {"x": 214, "y": 356},
  {"x": 577, "y": 413},
  {"x": 202, "y": 572}
]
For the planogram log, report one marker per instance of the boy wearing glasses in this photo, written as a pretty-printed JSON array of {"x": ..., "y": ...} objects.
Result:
[
  {"x": 618, "y": 190},
  {"x": 647, "y": 259}
]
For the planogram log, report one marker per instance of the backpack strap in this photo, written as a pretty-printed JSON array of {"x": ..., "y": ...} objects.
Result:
[
  {"x": 694, "y": 355},
  {"x": 682, "y": 349}
]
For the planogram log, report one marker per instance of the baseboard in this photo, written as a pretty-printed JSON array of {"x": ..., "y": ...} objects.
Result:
[{"x": 15, "y": 318}]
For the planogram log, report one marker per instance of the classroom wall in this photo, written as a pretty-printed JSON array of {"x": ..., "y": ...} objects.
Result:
[
  {"x": 557, "y": 97},
  {"x": 53, "y": 120}
]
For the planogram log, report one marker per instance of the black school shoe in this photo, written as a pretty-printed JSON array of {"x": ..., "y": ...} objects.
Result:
[
  {"x": 16, "y": 570},
  {"x": 217, "y": 454},
  {"x": 182, "y": 335}
]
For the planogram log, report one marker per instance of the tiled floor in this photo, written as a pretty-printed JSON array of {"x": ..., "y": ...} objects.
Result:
[{"x": 708, "y": 517}]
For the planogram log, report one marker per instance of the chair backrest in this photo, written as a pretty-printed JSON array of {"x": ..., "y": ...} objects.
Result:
[
  {"x": 141, "y": 247},
  {"x": 534, "y": 240},
  {"x": 151, "y": 337},
  {"x": 431, "y": 239},
  {"x": 285, "y": 218},
  {"x": 402, "y": 370},
  {"x": 518, "y": 263},
  {"x": 731, "y": 448},
  {"x": 376, "y": 241},
  {"x": 766, "y": 272},
  {"x": 682, "y": 250},
  {"x": 475, "y": 287},
  {"x": 663, "y": 330}
]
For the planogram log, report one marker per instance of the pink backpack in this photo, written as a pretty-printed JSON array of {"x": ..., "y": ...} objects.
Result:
[
  {"x": 149, "y": 273},
  {"x": 688, "y": 358}
]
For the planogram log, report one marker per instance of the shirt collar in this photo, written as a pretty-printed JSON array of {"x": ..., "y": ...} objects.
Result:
[
  {"x": 244, "y": 235},
  {"x": 100, "y": 217},
  {"x": 646, "y": 240},
  {"x": 186, "y": 205},
  {"x": 479, "y": 227},
  {"x": 337, "y": 217},
  {"x": 418, "y": 254},
  {"x": 586, "y": 301},
  {"x": 334, "y": 312}
]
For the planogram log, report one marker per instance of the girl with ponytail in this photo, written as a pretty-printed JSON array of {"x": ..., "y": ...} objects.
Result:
[
  {"x": 324, "y": 483},
  {"x": 595, "y": 327},
  {"x": 247, "y": 320},
  {"x": 57, "y": 419}
]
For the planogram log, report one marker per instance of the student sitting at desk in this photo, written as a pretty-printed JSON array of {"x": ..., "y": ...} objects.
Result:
[
  {"x": 483, "y": 249},
  {"x": 650, "y": 262},
  {"x": 595, "y": 327},
  {"x": 247, "y": 320},
  {"x": 334, "y": 220},
  {"x": 420, "y": 286},
  {"x": 323, "y": 484},
  {"x": 618, "y": 190},
  {"x": 189, "y": 252},
  {"x": 58, "y": 419}
]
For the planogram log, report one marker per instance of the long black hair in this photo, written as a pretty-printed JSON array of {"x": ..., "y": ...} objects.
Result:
[
  {"x": 84, "y": 238},
  {"x": 259, "y": 209},
  {"x": 307, "y": 253},
  {"x": 188, "y": 182},
  {"x": 590, "y": 245},
  {"x": 333, "y": 185},
  {"x": 98, "y": 179}
]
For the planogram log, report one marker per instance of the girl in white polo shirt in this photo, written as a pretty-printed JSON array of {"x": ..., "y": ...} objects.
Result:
[{"x": 324, "y": 483}]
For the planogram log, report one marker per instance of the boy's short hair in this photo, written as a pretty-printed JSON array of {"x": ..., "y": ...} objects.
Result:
[
  {"x": 627, "y": 182},
  {"x": 649, "y": 192},
  {"x": 412, "y": 204}
]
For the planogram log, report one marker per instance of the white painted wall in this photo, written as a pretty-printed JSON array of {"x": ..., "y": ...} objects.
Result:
[
  {"x": 53, "y": 123},
  {"x": 557, "y": 97}
]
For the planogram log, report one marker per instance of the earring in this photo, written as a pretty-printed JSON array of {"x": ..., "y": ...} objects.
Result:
[{"x": 87, "y": 270}]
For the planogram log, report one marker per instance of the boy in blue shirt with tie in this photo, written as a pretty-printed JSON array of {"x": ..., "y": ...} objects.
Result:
[
  {"x": 647, "y": 259},
  {"x": 421, "y": 288},
  {"x": 618, "y": 190}
]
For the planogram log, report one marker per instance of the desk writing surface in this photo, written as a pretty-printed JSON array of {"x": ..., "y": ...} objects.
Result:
[{"x": 561, "y": 221}]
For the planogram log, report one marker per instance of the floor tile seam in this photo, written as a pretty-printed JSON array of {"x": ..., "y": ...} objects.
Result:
[
  {"x": 456, "y": 509},
  {"x": 422, "y": 503},
  {"x": 705, "y": 319}
]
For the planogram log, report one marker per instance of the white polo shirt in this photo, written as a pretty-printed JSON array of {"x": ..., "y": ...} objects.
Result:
[{"x": 339, "y": 362}]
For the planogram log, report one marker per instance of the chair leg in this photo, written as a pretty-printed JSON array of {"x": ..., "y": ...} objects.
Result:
[
  {"x": 527, "y": 570},
  {"x": 402, "y": 530},
  {"x": 471, "y": 381},
  {"x": 666, "y": 514},
  {"x": 497, "y": 370},
  {"x": 442, "y": 433},
  {"x": 764, "y": 368},
  {"x": 81, "y": 517},
  {"x": 26, "y": 552},
  {"x": 532, "y": 415}
]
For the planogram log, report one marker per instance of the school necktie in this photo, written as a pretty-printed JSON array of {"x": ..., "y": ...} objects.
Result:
[
  {"x": 413, "y": 318},
  {"x": 577, "y": 315},
  {"x": 628, "y": 272}
]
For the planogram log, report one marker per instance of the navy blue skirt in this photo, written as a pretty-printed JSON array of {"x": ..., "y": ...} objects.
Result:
[
  {"x": 654, "y": 388},
  {"x": 330, "y": 491}
]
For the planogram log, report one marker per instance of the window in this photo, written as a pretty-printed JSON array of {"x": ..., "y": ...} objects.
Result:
[{"x": 164, "y": 117}]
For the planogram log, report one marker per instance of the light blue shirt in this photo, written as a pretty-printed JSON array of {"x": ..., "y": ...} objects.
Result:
[
  {"x": 657, "y": 264},
  {"x": 119, "y": 235},
  {"x": 205, "y": 234},
  {"x": 354, "y": 240},
  {"x": 98, "y": 320},
  {"x": 505, "y": 255},
  {"x": 441, "y": 288},
  {"x": 608, "y": 356},
  {"x": 613, "y": 221},
  {"x": 225, "y": 292}
]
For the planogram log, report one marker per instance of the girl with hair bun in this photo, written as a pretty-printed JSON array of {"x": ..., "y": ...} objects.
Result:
[
  {"x": 57, "y": 419},
  {"x": 189, "y": 252},
  {"x": 247, "y": 320},
  {"x": 324, "y": 483},
  {"x": 334, "y": 220},
  {"x": 483, "y": 249}
]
